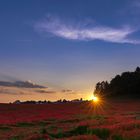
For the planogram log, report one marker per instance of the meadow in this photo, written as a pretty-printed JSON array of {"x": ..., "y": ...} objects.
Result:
[{"x": 105, "y": 120}]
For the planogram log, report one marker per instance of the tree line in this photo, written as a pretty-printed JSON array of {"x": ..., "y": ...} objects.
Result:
[{"x": 126, "y": 84}]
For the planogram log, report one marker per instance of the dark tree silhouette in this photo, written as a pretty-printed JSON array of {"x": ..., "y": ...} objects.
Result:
[{"x": 126, "y": 84}]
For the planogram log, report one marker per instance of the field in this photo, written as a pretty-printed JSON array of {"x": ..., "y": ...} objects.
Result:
[{"x": 105, "y": 120}]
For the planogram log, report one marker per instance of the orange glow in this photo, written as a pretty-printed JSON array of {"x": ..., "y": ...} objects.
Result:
[{"x": 95, "y": 99}]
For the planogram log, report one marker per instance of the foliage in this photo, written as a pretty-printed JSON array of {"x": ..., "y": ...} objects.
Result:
[{"x": 126, "y": 84}]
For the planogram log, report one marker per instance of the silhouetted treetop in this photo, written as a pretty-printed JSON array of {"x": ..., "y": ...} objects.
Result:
[{"x": 126, "y": 84}]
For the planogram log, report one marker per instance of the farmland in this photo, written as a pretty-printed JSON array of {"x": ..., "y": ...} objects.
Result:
[{"x": 106, "y": 120}]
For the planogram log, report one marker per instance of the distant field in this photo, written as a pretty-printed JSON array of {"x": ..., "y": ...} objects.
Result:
[{"x": 110, "y": 120}]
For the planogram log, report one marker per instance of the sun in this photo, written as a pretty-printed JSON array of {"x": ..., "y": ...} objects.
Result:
[{"x": 95, "y": 99}]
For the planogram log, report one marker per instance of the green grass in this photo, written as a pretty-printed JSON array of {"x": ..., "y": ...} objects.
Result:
[
  {"x": 43, "y": 131},
  {"x": 15, "y": 138},
  {"x": 69, "y": 121},
  {"x": 25, "y": 124},
  {"x": 136, "y": 138},
  {"x": 83, "y": 130},
  {"x": 137, "y": 125},
  {"x": 44, "y": 123},
  {"x": 5, "y": 128},
  {"x": 137, "y": 117},
  {"x": 101, "y": 133},
  {"x": 95, "y": 117},
  {"x": 117, "y": 137}
]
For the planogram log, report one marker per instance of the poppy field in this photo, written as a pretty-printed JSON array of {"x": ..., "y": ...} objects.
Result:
[{"x": 87, "y": 120}]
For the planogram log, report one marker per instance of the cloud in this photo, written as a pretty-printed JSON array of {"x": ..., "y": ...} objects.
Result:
[
  {"x": 14, "y": 91},
  {"x": 45, "y": 91},
  {"x": 67, "y": 90},
  {"x": 24, "y": 91},
  {"x": 83, "y": 31},
  {"x": 23, "y": 88},
  {"x": 21, "y": 84}
]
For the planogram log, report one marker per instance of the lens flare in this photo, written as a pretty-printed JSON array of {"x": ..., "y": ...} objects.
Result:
[{"x": 95, "y": 99}]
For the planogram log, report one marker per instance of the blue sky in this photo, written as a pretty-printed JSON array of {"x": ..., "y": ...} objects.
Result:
[{"x": 68, "y": 44}]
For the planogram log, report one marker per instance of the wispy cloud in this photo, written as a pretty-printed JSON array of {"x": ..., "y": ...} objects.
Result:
[
  {"x": 24, "y": 88},
  {"x": 81, "y": 31},
  {"x": 69, "y": 91},
  {"x": 16, "y": 91},
  {"x": 45, "y": 91},
  {"x": 21, "y": 84}
]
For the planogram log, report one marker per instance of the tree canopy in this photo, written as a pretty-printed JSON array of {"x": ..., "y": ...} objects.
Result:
[{"x": 126, "y": 84}]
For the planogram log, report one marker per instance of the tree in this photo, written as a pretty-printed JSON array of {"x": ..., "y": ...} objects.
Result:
[
  {"x": 138, "y": 69},
  {"x": 126, "y": 84}
]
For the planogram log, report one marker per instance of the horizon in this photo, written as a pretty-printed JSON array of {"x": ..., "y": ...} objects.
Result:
[{"x": 60, "y": 50}]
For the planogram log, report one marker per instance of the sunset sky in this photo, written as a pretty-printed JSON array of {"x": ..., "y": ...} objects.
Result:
[{"x": 66, "y": 45}]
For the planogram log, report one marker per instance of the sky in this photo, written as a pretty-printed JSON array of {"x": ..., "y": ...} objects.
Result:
[{"x": 67, "y": 45}]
